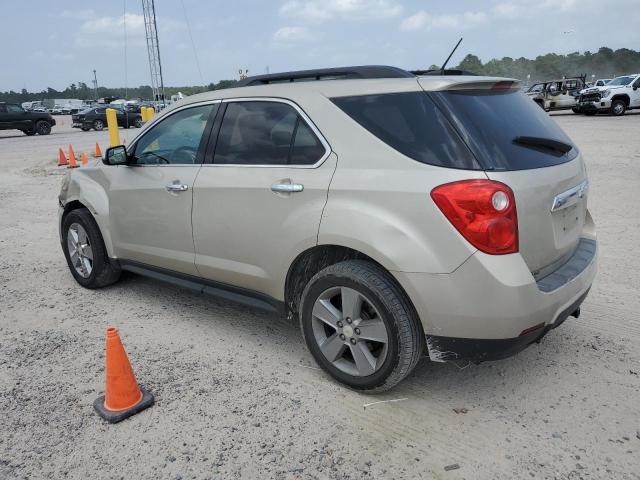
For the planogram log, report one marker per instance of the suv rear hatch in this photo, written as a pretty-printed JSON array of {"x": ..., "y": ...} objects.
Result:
[{"x": 518, "y": 144}]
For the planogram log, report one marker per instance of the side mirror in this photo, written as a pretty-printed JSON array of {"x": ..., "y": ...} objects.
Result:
[{"x": 115, "y": 156}]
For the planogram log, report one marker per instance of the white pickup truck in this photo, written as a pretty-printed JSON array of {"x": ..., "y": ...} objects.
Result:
[{"x": 616, "y": 97}]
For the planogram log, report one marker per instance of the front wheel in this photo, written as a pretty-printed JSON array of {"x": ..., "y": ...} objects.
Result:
[
  {"x": 618, "y": 108},
  {"x": 360, "y": 327},
  {"x": 85, "y": 251},
  {"x": 138, "y": 123},
  {"x": 43, "y": 128},
  {"x": 98, "y": 125}
]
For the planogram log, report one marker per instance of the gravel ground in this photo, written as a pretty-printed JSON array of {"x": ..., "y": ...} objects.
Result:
[{"x": 238, "y": 396}]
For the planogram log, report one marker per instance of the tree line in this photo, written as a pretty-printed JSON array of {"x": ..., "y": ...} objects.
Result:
[
  {"x": 83, "y": 92},
  {"x": 605, "y": 63}
]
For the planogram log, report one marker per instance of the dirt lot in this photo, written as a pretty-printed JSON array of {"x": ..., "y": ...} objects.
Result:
[{"x": 238, "y": 396}]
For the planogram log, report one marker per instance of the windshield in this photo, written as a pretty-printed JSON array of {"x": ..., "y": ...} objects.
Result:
[{"x": 620, "y": 81}]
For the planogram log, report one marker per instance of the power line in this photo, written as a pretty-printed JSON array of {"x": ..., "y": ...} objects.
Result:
[
  {"x": 193, "y": 45},
  {"x": 124, "y": 27}
]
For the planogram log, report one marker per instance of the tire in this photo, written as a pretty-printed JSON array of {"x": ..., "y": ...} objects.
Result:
[
  {"x": 618, "y": 108},
  {"x": 103, "y": 271},
  {"x": 384, "y": 306},
  {"x": 576, "y": 110},
  {"x": 85, "y": 129},
  {"x": 98, "y": 125},
  {"x": 43, "y": 127},
  {"x": 138, "y": 123}
]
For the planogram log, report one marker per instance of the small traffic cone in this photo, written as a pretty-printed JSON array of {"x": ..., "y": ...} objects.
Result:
[
  {"x": 83, "y": 159},
  {"x": 62, "y": 160},
  {"x": 72, "y": 158},
  {"x": 123, "y": 397},
  {"x": 98, "y": 152}
]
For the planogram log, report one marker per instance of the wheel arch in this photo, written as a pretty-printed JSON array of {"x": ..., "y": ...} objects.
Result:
[
  {"x": 318, "y": 257},
  {"x": 622, "y": 96},
  {"x": 95, "y": 200}
]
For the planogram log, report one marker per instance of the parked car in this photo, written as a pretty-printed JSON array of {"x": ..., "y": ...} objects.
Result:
[
  {"x": 14, "y": 117},
  {"x": 601, "y": 82},
  {"x": 96, "y": 118},
  {"x": 557, "y": 94},
  {"x": 57, "y": 110},
  {"x": 444, "y": 215},
  {"x": 616, "y": 97}
]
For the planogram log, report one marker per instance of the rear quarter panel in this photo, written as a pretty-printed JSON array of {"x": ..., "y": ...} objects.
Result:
[{"x": 379, "y": 200}]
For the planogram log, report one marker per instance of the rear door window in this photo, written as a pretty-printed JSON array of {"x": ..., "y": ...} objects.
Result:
[
  {"x": 492, "y": 121},
  {"x": 412, "y": 124},
  {"x": 266, "y": 133}
]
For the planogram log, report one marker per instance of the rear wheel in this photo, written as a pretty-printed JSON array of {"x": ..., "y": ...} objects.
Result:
[
  {"x": 618, "y": 108},
  {"x": 43, "y": 128},
  {"x": 138, "y": 123},
  {"x": 85, "y": 251},
  {"x": 360, "y": 327},
  {"x": 98, "y": 125}
]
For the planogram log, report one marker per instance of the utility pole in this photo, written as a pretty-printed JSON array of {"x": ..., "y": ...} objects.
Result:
[
  {"x": 153, "y": 50},
  {"x": 95, "y": 86}
]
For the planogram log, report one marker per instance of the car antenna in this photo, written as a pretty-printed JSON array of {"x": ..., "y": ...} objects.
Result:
[{"x": 450, "y": 55}]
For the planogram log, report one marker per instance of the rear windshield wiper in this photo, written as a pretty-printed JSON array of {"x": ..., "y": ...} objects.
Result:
[{"x": 548, "y": 144}]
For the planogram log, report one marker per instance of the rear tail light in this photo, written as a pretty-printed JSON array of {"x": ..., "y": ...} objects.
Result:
[{"x": 483, "y": 211}]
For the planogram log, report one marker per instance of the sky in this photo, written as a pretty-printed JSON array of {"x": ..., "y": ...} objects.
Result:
[{"x": 53, "y": 44}]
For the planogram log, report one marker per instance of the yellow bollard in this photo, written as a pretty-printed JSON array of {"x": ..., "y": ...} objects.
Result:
[
  {"x": 112, "y": 123},
  {"x": 143, "y": 113},
  {"x": 150, "y": 113}
]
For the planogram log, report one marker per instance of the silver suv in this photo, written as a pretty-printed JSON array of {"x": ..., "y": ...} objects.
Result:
[{"x": 394, "y": 215}]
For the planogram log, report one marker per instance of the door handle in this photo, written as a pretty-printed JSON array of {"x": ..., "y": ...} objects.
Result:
[
  {"x": 177, "y": 187},
  {"x": 287, "y": 187}
]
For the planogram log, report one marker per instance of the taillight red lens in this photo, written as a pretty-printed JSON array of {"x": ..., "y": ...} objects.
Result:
[{"x": 483, "y": 211}]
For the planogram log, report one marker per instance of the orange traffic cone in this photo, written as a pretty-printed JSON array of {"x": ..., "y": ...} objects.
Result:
[
  {"x": 62, "y": 160},
  {"x": 83, "y": 159},
  {"x": 72, "y": 158},
  {"x": 98, "y": 152},
  {"x": 123, "y": 397}
]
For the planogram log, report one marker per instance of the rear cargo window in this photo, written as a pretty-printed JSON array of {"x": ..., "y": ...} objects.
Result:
[
  {"x": 412, "y": 124},
  {"x": 492, "y": 121}
]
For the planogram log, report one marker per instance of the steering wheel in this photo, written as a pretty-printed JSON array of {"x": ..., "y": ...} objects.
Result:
[{"x": 184, "y": 155}]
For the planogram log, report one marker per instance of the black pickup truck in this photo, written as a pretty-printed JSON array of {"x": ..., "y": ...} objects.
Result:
[
  {"x": 14, "y": 117},
  {"x": 96, "y": 118}
]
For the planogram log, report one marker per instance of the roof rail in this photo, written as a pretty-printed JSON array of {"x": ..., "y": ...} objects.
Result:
[
  {"x": 340, "y": 73},
  {"x": 437, "y": 71}
]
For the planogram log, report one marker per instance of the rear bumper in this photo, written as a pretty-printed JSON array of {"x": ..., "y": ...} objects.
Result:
[
  {"x": 483, "y": 350},
  {"x": 491, "y": 307}
]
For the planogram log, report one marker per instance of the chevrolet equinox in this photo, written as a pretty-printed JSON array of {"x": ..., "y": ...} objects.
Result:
[{"x": 394, "y": 214}]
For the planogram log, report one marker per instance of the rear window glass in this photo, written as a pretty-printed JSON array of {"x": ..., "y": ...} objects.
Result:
[
  {"x": 490, "y": 121},
  {"x": 412, "y": 124}
]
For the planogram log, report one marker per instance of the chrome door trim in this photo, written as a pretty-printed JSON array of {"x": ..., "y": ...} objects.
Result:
[{"x": 570, "y": 197}]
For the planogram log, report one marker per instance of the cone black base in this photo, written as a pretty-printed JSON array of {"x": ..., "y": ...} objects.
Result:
[{"x": 117, "y": 416}]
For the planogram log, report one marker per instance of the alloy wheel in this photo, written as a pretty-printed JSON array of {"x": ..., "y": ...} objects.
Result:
[
  {"x": 349, "y": 331},
  {"x": 80, "y": 251},
  {"x": 618, "y": 108}
]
